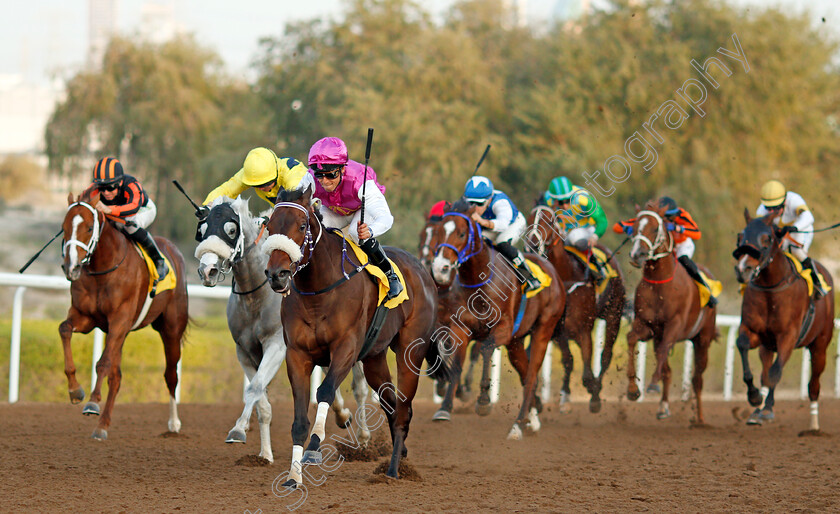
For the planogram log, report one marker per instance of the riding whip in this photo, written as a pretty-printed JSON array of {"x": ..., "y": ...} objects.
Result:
[
  {"x": 367, "y": 158},
  {"x": 181, "y": 189},
  {"x": 481, "y": 160},
  {"x": 39, "y": 252}
]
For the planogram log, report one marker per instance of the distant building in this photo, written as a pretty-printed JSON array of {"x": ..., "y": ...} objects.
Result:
[
  {"x": 157, "y": 22},
  {"x": 24, "y": 111},
  {"x": 102, "y": 24}
]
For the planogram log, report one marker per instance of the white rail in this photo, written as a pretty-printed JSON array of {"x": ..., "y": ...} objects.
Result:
[{"x": 22, "y": 282}]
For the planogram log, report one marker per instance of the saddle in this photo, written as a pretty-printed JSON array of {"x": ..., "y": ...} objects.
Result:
[
  {"x": 156, "y": 283},
  {"x": 601, "y": 257},
  {"x": 705, "y": 294}
]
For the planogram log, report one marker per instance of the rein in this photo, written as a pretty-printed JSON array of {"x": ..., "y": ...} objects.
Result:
[{"x": 544, "y": 244}]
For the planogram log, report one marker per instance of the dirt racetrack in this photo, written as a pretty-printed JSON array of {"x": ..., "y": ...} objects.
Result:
[{"x": 622, "y": 459}]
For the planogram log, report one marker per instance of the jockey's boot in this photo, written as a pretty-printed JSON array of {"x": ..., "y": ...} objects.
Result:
[
  {"x": 694, "y": 273},
  {"x": 602, "y": 272},
  {"x": 517, "y": 259},
  {"x": 378, "y": 258},
  {"x": 818, "y": 290},
  {"x": 144, "y": 239}
]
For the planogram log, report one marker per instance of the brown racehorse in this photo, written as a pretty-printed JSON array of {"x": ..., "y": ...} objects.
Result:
[
  {"x": 775, "y": 316},
  {"x": 484, "y": 304},
  {"x": 325, "y": 318},
  {"x": 109, "y": 288},
  {"x": 546, "y": 237},
  {"x": 667, "y": 306}
]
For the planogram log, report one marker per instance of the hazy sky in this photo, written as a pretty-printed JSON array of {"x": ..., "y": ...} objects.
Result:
[{"x": 44, "y": 36}]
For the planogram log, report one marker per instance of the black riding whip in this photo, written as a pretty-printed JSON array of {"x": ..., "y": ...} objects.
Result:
[
  {"x": 39, "y": 252},
  {"x": 181, "y": 189},
  {"x": 367, "y": 158},
  {"x": 481, "y": 160}
]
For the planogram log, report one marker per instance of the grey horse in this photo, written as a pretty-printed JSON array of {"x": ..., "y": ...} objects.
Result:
[{"x": 227, "y": 237}]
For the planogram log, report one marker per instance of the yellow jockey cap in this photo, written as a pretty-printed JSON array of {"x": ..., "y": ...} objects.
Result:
[
  {"x": 773, "y": 193},
  {"x": 260, "y": 167}
]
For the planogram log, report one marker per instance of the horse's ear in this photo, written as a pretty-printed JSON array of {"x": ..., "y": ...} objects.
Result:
[
  {"x": 747, "y": 216},
  {"x": 316, "y": 204},
  {"x": 637, "y": 208},
  {"x": 69, "y": 198}
]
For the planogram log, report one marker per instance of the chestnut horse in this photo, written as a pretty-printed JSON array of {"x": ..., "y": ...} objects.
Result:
[
  {"x": 667, "y": 306},
  {"x": 326, "y": 314},
  {"x": 484, "y": 304},
  {"x": 778, "y": 315},
  {"x": 108, "y": 290},
  {"x": 546, "y": 237}
]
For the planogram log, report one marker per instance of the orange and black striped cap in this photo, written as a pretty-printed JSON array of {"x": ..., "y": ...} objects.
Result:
[{"x": 108, "y": 170}]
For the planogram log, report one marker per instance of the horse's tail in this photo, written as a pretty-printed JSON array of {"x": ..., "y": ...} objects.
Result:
[{"x": 439, "y": 364}]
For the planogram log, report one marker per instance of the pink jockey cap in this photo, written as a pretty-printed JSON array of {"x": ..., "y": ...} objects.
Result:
[{"x": 329, "y": 150}]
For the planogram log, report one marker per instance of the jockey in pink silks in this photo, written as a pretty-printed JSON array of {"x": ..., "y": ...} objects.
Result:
[{"x": 338, "y": 184}]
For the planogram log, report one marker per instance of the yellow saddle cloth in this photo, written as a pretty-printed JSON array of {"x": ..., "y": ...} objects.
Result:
[
  {"x": 716, "y": 286},
  {"x": 168, "y": 282},
  {"x": 601, "y": 257},
  {"x": 381, "y": 279},
  {"x": 539, "y": 274}
]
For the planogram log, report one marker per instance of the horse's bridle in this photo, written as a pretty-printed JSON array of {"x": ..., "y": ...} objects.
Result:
[
  {"x": 661, "y": 235},
  {"x": 474, "y": 237},
  {"x": 308, "y": 242},
  {"x": 543, "y": 243},
  {"x": 94, "y": 239},
  {"x": 764, "y": 259}
]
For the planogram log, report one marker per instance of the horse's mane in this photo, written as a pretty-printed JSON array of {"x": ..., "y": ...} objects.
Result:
[
  {"x": 248, "y": 225},
  {"x": 461, "y": 206},
  {"x": 653, "y": 205},
  {"x": 292, "y": 195},
  {"x": 90, "y": 196}
]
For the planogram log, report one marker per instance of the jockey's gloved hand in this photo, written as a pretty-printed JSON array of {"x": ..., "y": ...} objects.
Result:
[
  {"x": 202, "y": 212},
  {"x": 627, "y": 230},
  {"x": 786, "y": 230},
  {"x": 673, "y": 227}
]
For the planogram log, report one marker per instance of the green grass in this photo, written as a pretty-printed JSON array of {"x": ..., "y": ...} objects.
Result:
[{"x": 211, "y": 372}]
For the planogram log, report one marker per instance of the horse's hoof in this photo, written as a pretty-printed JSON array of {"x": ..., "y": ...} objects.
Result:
[
  {"x": 91, "y": 409},
  {"x": 312, "y": 457},
  {"x": 290, "y": 484},
  {"x": 595, "y": 405},
  {"x": 347, "y": 419},
  {"x": 565, "y": 408},
  {"x": 664, "y": 413},
  {"x": 267, "y": 456},
  {"x": 767, "y": 415},
  {"x": 515, "y": 433},
  {"x": 634, "y": 395},
  {"x": 462, "y": 395},
  {"x": 483, "y": 409},
  {"x": 77, "y": 395},
  {"x": 99, "y": 434},
  {"x": 441, "y": 415},
  {"x": 235, "y": 436},
  {"x": 534, "y": 420},
  {"x": 755, "y": 418},
  {"x": 754, "y": 397},
  {"x": 174, "y": 426},
  {"x": 652, "y": 388}
]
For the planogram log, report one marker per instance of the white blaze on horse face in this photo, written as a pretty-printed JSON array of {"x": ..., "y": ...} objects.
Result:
[
  {"x": 442, "y": 267},
  {"x": 425, "y": 251},
  {"x": 74, "y": 250},
  {"x": 742, "y": 264},
  {"x": 637, "y": 242}
]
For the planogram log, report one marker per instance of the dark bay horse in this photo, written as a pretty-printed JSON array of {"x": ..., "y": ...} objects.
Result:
[
  {"x": 778, "y": 315},
  {"x": 108, "y": 291},
  {"x": 326, "y": 314},
  {"x": 228, "y": 238},
  {"x": 667, "y": 306},
  {"x": 546, "y": 237},
  {"x": 484, "y": 303}
]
